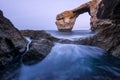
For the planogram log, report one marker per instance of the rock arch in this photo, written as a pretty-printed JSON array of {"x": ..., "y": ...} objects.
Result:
[{"x": 66, "y": 20}]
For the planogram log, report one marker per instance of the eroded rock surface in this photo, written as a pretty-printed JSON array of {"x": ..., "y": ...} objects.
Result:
[
  {"x": 12, "y": 47},
  {"x": 39, "y": 48},
  {"x": 65, "y": 20},
  {"x": 108, "y": 28},
  {"x": 38, "y": 34},
  {"x": 105, "y": 21},
  {"x": 12, "y": 43}
]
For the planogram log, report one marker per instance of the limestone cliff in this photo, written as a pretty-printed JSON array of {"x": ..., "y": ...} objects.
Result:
[
  {"x": 109, "y": 26},
  {"x": 99, "y": 10},
  {"x": 105, "y": 21},
  {"x": 65, "y": 20}
]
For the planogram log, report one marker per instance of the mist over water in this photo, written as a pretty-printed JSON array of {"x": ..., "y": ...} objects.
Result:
[
  {"x": 75, "y": 34},
  {"x": 73, "y": 62},
  {"x": 64, "y": 62}
]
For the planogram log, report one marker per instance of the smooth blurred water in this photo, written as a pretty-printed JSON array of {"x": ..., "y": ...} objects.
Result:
[
  {"x": 71, "y": 35},
  {"x": 70, "y": 62},
  {"x": 73, "y": 62}
]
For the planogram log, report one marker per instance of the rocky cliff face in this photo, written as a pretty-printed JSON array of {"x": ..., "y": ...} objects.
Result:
[
  {"x": 109, "y": 25},
  {"x": 105, "y": 21},
  {"x": 108, "y": 28},
  {"x": 12, "y": 43},
  {"x": 65, "y": 20}
]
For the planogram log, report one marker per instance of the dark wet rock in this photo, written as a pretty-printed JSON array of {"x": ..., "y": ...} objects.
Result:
[
  {"x": 41, "y": 45},
  {"x": 38, "y": 34},
  {"x": 7, "y": 30},
  {"x": 107, "y": 39},
  {"x": 67, "y": 41},
  {"x": 39, "y": 49},
  {"x": 12, "y": 43}
]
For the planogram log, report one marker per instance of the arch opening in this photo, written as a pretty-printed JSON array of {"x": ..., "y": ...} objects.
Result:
[{"x": 82, "y": 22}]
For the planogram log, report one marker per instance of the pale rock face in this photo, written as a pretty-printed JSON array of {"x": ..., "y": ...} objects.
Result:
[{"x": 65, "y": 21}]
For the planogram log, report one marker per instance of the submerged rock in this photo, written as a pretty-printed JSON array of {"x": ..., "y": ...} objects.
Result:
[{"x": 12, "y": 43}]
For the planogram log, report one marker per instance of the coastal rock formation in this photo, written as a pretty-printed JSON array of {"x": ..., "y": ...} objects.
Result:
[
  {"x": 39, "y": 48},
  {"x": 65, "y": 20},
  {"x": 106, "y": 26},
  {"x": 38, "y": 34},
  {"x": 12, "y": 43},
  {"x": 105, "y": 21},
  {"x": 107, "y": 35}
]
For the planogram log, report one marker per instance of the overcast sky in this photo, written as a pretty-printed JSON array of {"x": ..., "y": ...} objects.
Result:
[{"x": 41, "y": 14}]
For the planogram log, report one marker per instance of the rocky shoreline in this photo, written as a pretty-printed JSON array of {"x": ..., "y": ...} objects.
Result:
[{"x": 13, "y": 44}]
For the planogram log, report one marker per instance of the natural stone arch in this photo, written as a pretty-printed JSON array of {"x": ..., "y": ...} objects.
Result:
[{"x": 66, "y": 20}]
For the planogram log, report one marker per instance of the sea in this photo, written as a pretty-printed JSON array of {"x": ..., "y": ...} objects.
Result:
[
  {"x": 72, "y": 62},
  {"x": 75, "y": 34}
]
